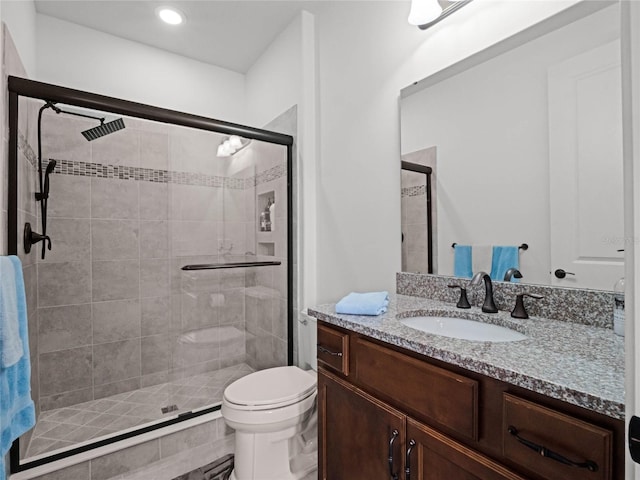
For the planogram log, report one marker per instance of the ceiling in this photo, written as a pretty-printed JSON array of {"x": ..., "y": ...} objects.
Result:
[{"x": 230, "y": 34}]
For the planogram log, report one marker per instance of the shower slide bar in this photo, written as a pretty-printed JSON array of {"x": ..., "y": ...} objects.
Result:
[{"x": 215, "y": 266}]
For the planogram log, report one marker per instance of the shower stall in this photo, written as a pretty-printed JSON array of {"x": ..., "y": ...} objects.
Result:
[{"x": 152, "y": 277}]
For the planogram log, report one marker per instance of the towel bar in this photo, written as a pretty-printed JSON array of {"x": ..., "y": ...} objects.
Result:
[{"x": 524, "y": 246}]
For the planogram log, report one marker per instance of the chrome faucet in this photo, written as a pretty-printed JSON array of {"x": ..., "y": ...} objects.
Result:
[
  {"x": 512, "y": 272},
  {"x": 489, "y": 305}
]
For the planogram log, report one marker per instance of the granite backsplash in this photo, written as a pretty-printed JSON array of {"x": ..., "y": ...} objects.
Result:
[{"x": 577, "y": 305}]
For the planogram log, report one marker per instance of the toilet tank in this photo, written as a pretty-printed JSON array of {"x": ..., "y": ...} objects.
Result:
[{"x": 307, "y": 340}]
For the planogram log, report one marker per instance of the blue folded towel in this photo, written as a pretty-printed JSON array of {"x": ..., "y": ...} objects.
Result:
[
  {"x": 462, "y": 266},
  {"x": 502, "y": 260},
  {"x": 17, "y": 412},
  {"x": 10, "y": 343},
  {"x": 371, "y": 303}
]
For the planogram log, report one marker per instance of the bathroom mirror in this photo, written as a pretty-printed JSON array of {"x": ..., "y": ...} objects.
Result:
[{"x": 525, "y": 143}]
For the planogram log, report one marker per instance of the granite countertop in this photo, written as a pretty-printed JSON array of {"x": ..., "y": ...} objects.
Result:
[{"x": 579, "y": 364}]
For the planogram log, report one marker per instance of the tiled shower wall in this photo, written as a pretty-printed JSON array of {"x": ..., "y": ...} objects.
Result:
[
  {"x": 266, "y": 298},
  {"x": 125, "y": 213},
  {"x": 26, "y": 203}
]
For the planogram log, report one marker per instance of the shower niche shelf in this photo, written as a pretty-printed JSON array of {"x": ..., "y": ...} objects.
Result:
[
  {"x": 267, "y": 249},
  {"x": 265, "y": 222}
]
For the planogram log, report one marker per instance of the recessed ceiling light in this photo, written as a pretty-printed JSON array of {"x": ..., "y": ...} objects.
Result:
[{"x": 170, "y": 15}]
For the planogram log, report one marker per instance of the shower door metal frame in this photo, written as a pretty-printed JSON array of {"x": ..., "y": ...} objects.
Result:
[
  {"x": 47, "y": 92},
  {"x": 427, "y": 171}
]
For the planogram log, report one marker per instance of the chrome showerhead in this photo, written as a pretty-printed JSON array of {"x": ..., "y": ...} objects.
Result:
[{"x": 103, "y": 129}]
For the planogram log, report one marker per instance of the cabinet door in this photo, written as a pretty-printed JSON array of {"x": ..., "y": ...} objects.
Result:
[
  {"x": 360, "y": 437},
  {"x": 434, "y": 456}
]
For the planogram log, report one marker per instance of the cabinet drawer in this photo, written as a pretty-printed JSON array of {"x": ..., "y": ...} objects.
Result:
[
  {"x": 565, "y": 439},
  {"x": 437, "y": 396},
  {"x": 333, "y": 349}
]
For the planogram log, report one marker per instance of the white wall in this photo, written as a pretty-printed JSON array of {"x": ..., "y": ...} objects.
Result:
[
  {"x": 20, "y": 18},
  {"x": 367, "y": 54},
  {"x": 490, "y": 126},
  {"x": 361, "y": 46},
  {"x": 96, "y": 62},
  {"x": 282, "y": 77},
  {"x": 274, "y": 82}
]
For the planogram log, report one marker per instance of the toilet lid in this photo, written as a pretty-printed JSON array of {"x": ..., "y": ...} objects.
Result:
[{"x": 277, "y": 386}]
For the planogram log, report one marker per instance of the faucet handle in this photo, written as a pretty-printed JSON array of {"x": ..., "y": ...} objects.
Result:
[
  {"x": 519, "y": 311},
  {"x": 463, "y": 302}
]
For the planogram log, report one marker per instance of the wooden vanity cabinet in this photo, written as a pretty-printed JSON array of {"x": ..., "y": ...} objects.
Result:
[
  {"x": 362, "y": 438},
  {"x": 432, "y": 455},
  {"x": 359, "y": 436},
  {"x": 383, "y": 409},
  {"x": 437, "y": 396},
  {"x": 333, "y": 349}
]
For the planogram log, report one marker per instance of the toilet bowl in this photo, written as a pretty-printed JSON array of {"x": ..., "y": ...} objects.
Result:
[{"x": 273, "y": 412}]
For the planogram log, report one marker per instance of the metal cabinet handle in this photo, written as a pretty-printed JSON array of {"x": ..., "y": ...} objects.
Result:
[
  {"x": 407, "y": 460},
  {"x": 394, "y": 435},
  {"x": 545, "y": 452},
  {"x": 326, "y": 350},
  {"x": 560, "y": 273}
]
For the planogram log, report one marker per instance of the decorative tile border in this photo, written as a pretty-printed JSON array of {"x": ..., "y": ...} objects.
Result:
[
  {"x": 270, "y": 174},
  {"x": 575, "y": 305},
  {"x": 414, "y": 191},
  {"x": 25, "y": 148},
  {"x": 122, "y": 172}
]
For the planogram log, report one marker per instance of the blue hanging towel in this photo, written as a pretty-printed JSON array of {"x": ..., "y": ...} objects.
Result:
[
  {"x": 370, "y": 303},
  {"x": 462, "y": 266},
  {"x": 503, "y": 259},
  {"x": 17, "y": 412},
  {"x": 10, "y": 342}
]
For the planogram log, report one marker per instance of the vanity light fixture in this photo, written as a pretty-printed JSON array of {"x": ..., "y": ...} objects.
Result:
[
  {"x": 236, "y": 142},
  {"x": 224, "y": 150},
  {"x": 231, "y": 145},
  {"x": 170, "y": 15},
  {"x": 425, "y": 13}
]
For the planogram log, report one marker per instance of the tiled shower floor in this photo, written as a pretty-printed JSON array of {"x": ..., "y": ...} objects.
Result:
[{"x": 65, "y": 427}]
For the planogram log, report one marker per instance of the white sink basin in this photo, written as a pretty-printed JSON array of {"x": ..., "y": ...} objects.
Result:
[{"x": 462, "y": 328}]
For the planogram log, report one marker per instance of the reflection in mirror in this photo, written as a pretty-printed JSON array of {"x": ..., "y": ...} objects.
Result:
[
  {"x": 528, "y": 145},
  {"x": 417, "y": 221}
]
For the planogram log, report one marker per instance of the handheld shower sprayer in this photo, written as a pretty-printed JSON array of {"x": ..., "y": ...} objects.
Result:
[{"x": 44, "y": 194}]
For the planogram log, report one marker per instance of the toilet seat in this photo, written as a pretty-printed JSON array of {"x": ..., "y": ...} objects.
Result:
[{"x": 271, "y": 388}]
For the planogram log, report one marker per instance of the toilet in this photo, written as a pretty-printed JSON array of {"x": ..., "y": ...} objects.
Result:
[{"x": 274, "y": 415}]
